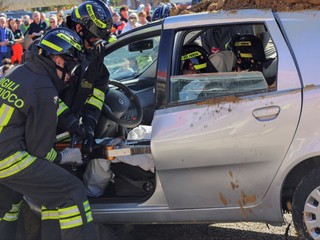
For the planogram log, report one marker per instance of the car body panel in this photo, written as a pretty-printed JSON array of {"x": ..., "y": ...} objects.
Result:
[
  {"x": 304, "y": 48},
  {"x": 219, "y": 17},
  {"x": 305, "y": 145},
  {"x": 225, "y": 145}
]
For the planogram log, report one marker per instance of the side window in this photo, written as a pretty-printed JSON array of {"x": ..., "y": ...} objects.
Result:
[
  {"x": 216, "y": 85},
  {"x": 133, "y": 59},
  {"x": 222, "y": 61}
]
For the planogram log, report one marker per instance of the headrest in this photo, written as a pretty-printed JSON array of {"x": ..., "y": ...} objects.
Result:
[
  {"x": 268, "y": 46},
  {"x": 223, "y": 61},
  {"x": 247, "y": 47}
]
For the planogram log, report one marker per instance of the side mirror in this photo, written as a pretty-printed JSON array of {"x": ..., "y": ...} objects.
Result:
[{"x": 140, "y": 45}]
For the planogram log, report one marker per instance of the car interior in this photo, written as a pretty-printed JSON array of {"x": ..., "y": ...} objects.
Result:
[{"x": 232, "y": 49}]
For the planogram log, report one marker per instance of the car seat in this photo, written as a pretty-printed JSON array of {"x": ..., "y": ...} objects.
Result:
[
  {"x": 271, "y": 64},
  {"x": 223, "y": 61},
  {"x": 250, "y": 52}
]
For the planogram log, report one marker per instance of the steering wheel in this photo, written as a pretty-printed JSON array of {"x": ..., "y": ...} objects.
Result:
[{"x": 118, "y": 102}]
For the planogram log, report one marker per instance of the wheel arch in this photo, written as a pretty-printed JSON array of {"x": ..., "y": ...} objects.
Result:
[{"x": 293, "y": 179}]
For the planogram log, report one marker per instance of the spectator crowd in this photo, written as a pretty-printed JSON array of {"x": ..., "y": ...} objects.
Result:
[
  {"x": 18, "y": 33},
  {"x": 124, "y": 21}
]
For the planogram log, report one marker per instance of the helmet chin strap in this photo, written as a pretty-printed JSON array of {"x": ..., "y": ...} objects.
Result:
[
  {"x": 86, "y": 35},
  {"x": 82, "y": 35},
  {"x": 64, "y": 72}
]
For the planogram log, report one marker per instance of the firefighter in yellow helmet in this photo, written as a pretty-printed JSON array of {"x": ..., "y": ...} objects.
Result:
[
  {"x": 194, "y": 59},
  {"x": 29, "y": 105},
  {"x": 85, "y": 94}
]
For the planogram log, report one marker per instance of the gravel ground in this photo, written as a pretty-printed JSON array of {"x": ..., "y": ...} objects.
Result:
[{"x": 226, "y": 231}]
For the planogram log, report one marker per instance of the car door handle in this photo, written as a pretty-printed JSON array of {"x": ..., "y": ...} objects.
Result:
[{"x": 266, "y": 113}]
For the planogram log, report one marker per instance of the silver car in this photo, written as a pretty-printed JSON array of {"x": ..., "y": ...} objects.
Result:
[{"x": 238, "y": 142}]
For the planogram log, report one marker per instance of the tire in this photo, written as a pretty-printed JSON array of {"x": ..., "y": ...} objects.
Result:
[{"x": 306, "y": 206}]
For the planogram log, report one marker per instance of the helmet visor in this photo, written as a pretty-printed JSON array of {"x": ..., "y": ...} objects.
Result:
[
  {"x": 195, "y": 58},
  {"x": 196, "y": 64}
]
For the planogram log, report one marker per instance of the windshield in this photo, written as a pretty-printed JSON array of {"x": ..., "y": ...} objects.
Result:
[{"x": 131, "y": 60}]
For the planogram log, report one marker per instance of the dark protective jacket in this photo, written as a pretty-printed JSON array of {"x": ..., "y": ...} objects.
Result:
[
  {"x": 84, "y": 97},
  {"x": 28, "y": 109}
]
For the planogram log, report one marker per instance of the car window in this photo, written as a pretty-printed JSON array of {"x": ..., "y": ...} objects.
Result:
[
  {"x": 222, "y": 61},
  {"x": 131, "y": 60},
  {"x": 217, "y": 85}
]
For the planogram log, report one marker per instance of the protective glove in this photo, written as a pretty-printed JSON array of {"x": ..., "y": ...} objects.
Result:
[
  {"x": 71, "y": 156},
  {"x": 76, "y": 129},
  {"x": 87, "y": 130}
]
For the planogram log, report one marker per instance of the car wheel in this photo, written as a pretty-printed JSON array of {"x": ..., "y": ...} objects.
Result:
[{"x": 306, "y": 206}]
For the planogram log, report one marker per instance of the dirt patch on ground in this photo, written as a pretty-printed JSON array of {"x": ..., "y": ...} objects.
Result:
[{"x": 274, "y": 5}]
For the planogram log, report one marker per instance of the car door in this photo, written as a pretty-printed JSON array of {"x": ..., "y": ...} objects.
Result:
[{"x": 221, "y": 146}]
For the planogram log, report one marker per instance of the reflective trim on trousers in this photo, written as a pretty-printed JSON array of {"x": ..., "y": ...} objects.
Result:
[
  {"x": 15, "y": 163},
  {"x": 49, "y": 214},
  {"x": 87, "y": 209},
  {"x": 70, "y": 217},
  {"x": 13, "y": 213}
]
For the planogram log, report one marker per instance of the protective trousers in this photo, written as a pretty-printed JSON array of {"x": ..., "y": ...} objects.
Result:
[
  {"x": 9, "y": 212},
  {"x": 54, "y": 188}
]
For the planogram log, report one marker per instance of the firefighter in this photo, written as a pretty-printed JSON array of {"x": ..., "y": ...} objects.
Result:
[
  {"x": 85, "y": 94},
  {"x": 92, "y": 20},
  {"x": 29, "y": 105},
  {"x": 194, "y": 60}
]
